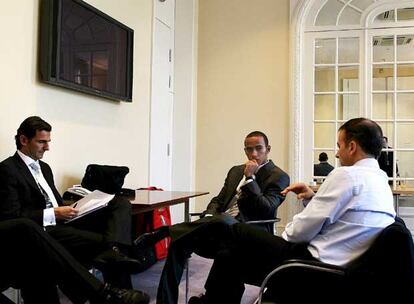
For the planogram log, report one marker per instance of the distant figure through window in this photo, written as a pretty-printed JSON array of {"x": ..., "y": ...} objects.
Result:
[
  {"x": 386, "y": 160},
  {"x": 323, "y": 168}
]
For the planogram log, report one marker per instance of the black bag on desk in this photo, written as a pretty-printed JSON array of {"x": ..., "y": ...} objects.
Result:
[{"x": 105, "y": 178}]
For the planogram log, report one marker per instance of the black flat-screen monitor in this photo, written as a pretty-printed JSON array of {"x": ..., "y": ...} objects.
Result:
[{"x": 83, "y": 49}]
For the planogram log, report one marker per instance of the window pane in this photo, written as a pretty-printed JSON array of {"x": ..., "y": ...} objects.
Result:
[
  {"x": 349, "y": 16},
  {"x": 325, "y": 79},
  {"x": 348, "y": 49},
  {"x": 387, "y": 16},
  {"x": 405, "y": 106},
  {"x": 383, "y": 48},
  {"x": 405, "y": 162},
  {"x": 382, "y": 106},
  {"x": 348, "y": 106},
  {"x": 325, "y": 107},
  {"x": 405, "y": 13},
  {"x": 348, "y": 79},
  {"x": 405, "y": 76},
  {"x": 405, "y": 131},
  {"x": 325, "y": 51},
  {"x": 362, "y": 4},
  {"x": 327, "y": 15},
  {"x": 388, "y": 131},
  {"x": 405, "y": 49},
  {"x": 383, "y": 77},
  {"x": 325, "y": 135}
]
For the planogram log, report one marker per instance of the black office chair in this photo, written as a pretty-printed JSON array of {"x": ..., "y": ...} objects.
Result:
[{"x": 383, "y": 274}]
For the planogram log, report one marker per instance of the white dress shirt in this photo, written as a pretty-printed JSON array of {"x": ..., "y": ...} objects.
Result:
[
  {"x": 49, "y": 218},
  {"x": 349, "y": 210}
]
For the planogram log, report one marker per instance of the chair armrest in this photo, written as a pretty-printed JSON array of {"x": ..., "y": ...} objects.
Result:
[
  {"x": 275, "y": 220},
  {"x": 195, "y": 214},
  {"x": 310, "y": 265}
]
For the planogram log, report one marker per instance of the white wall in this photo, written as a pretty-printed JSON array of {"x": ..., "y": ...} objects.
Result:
[
  {"x": 243, "y": 55},
  {"x": 183, "y": 154},
  {"x": 86, "y": 129}
]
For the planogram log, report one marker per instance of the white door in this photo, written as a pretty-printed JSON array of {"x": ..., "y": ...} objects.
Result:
[{"x": 161, "y": 108}]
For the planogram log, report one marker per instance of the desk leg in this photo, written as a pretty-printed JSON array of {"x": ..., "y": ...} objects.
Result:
[
  {"x": 187, "y": 272},
  {"x": 397, "y": 204},
  {"x": 187, "y": 210}
]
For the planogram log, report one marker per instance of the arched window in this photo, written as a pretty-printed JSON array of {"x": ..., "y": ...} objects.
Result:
[{"x": 353, "y": 58}]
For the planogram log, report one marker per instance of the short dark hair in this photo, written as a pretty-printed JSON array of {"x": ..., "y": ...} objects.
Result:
[
  {"x": 367, "y": 133},
  {"x": 29, "y": 127},
  {"x": 323, "y": 156},
  {"x": 259, "y": 133}
]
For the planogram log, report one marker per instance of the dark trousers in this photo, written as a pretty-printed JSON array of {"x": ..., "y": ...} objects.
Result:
[
  {"x": 252, "y": 254},
  {"x": 207, "y": 237},
  {"x": 90, "y": 235},
  {"x": 34, "y": 262}
]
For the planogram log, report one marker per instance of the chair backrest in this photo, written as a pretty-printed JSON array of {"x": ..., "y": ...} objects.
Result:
[
  {"x": 389, "y": 261},
  {"x": 385, "y": 271}
]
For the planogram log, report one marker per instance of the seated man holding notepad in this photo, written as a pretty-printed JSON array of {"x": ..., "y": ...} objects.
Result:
[{"x": 27, "y": 190}]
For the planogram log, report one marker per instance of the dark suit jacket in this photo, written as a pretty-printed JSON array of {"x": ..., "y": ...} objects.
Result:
[
  {"x": 259, "y": 199},
  {"x": 19, "y": 194},
  {"x": 322, "y": 169}
]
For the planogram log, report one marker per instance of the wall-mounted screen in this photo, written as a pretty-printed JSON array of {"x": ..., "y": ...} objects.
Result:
[{"x": 86, "y": 50}]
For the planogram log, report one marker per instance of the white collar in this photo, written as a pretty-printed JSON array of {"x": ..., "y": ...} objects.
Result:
[
  {"x": 27, "y": 159},
  {"x": 367, "y": 162}
]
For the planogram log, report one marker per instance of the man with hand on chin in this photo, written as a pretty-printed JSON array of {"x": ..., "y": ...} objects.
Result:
[{"x": 251, "y": 191}]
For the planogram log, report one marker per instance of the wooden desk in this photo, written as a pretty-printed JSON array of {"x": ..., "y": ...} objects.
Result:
[
  {"x": 397, "y": 192},
  {"x": 147, "y": 200}
]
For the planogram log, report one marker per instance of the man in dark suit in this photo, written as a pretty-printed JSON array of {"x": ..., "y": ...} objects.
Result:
[
  {"x": 386, "y": 160},
  {"x": 250, "y": 192},
  {"x": 323, "y": 168},
  {"x": 27, "y": 190},
  {"x": 48, "y": 265}
]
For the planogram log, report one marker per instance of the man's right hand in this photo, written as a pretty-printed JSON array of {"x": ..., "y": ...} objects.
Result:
[
  {"x": 302, "y": 190},
  {"x": 65, "y": 213}
]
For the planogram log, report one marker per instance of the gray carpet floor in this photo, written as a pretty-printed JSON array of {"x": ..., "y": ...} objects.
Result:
[{"x": 199, "y": 268}]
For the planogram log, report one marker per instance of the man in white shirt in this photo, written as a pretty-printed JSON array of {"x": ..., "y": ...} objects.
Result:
[{"x": 338, "y": 224}]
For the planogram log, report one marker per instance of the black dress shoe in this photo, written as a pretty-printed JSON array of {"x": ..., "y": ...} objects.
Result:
[
  {"x": 114, "y": 259},
  {"x": 201, "y": 299},
  {"x": 113, "y": 295},
  {"x": 151, "y": 238}
]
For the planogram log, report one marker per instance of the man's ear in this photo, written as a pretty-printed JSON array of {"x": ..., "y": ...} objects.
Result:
[
  {"x": 268, "y": 148},
  {"x": 23, "y": 140},
  {"x": 352, "y": 147}
]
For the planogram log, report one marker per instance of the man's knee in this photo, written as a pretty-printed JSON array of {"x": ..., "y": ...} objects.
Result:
[{"x": 120, "y": 203}]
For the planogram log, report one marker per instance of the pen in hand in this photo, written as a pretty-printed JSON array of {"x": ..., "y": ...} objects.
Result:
[{"x": 74, "y": 205}]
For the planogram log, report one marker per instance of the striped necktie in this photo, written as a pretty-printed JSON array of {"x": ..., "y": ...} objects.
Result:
[{"x": 36, "y": 170}]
